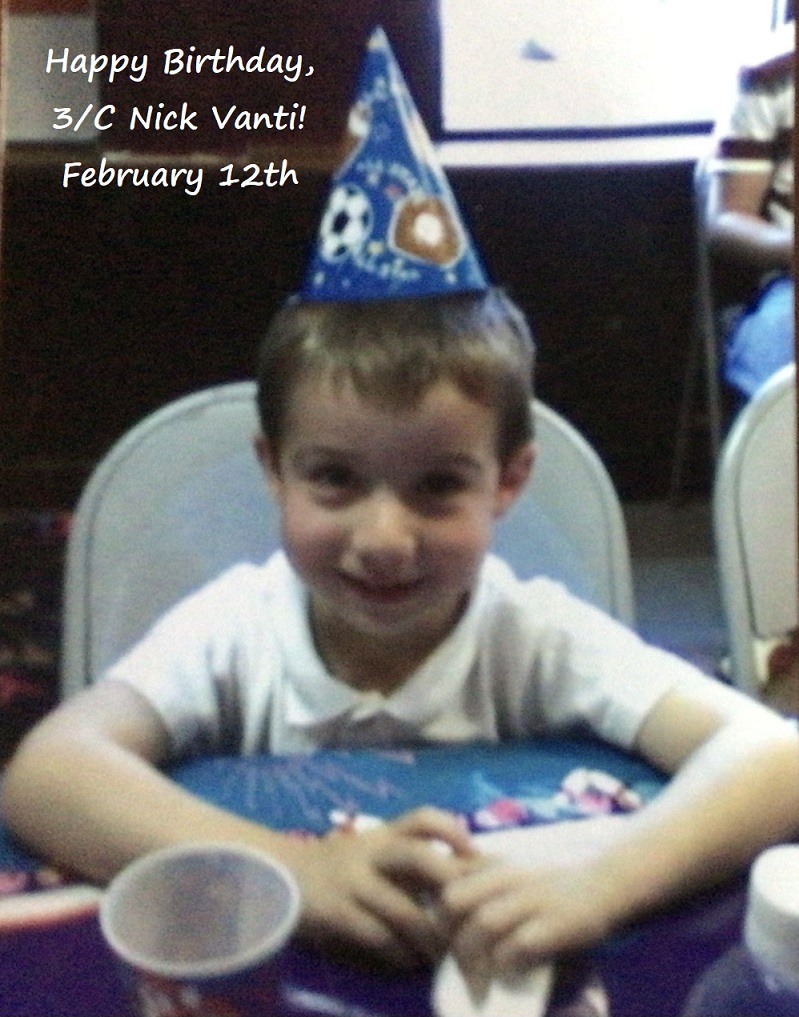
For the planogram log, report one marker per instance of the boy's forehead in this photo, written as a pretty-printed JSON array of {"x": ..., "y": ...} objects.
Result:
[
  {"x": 324, "y": 400},
  {"x": 338, "y": 391}
]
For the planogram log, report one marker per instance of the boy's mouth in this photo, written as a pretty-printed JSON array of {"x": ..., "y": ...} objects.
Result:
[{"x": 381, "y": 591}]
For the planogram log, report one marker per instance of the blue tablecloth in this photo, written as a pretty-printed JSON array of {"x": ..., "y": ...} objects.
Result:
[{"x": 63, "y": 969}]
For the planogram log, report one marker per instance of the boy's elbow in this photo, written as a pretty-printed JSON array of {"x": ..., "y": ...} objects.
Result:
[
  {"x": 28, "y": 777},
  {"x": 71, "y": 745}
]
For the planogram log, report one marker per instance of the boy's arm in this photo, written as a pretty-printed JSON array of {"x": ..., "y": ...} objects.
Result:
[
  {"x": 737, "y": 227},
  {"x": 84, "y": 790},
  {"x": 735, "y": 790}
]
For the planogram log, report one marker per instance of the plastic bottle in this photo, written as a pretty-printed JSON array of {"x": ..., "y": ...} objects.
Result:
[{"x": 759, "y": 977}]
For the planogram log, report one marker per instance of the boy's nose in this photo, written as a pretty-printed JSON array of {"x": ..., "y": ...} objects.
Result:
[{"x": 384, "y": 534}]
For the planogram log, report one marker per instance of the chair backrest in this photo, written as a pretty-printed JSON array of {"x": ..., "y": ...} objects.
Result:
[
  {"x": 181, "y": 496},
  {"x": 724, "y": 287},
  {"x": 701, "y": 389},
  {"x": 755, "y": 521},
  {"x": 708, "y": 310}
]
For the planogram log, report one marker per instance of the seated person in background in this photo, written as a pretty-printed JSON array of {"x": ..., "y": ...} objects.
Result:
[
  {"x": 750, "y": 211},
  {"x": 394, "y": 433}
]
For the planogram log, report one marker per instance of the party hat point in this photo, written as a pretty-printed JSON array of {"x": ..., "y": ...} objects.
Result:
[{"x": 391, "y": 226}]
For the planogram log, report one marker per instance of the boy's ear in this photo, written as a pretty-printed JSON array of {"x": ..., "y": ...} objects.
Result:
[
  {"x": 514, "y": 476},
  {"x": 267, "y": 457}
]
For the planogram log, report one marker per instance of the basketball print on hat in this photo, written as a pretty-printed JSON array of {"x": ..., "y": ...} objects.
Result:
[{"x": 391, "y": 226}]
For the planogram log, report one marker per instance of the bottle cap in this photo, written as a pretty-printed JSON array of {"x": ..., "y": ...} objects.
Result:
[{"x": 771, "y": 929}]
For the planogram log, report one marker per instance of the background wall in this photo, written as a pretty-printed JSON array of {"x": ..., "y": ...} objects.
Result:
[{"x": 115, "y": 301}]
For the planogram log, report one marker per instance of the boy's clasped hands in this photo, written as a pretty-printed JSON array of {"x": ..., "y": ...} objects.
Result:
[{"x": 410, "y": 890}]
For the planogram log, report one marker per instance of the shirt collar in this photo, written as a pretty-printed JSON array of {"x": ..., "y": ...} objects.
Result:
[{"x": 314, "y": 697}]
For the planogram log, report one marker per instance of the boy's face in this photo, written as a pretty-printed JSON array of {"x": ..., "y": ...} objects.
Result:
[{"x": 387, "y": 514}]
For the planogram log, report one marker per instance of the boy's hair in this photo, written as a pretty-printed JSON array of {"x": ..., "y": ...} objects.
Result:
[{"x": 393, "y": 351}]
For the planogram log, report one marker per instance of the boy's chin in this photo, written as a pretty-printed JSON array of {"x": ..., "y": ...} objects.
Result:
[{"x": 401, "y": 615}]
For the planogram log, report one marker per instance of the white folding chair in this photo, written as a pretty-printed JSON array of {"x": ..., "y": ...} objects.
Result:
[
  {"x": 755, "y": 522},
  {"x": 181, "y": 496},
  {"x": 702, "y": 365}
]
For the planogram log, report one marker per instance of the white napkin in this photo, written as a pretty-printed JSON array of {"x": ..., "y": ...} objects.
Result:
[{"x": 524, "y": 997}]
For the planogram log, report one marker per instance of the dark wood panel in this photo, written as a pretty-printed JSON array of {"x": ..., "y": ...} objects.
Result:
[
  {"x": 49, "y": 6},
  {"x": 601, "y": 259},
  {"x": 116, "y": 301}
]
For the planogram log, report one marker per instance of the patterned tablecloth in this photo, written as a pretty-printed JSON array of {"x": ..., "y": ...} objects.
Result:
[{"x": 53, "y": 962}]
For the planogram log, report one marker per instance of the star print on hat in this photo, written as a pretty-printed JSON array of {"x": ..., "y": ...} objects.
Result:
[{"x": 391, "y": 226}]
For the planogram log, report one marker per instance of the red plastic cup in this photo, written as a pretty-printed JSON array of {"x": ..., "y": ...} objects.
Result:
[{"x": 199, "y": 929}]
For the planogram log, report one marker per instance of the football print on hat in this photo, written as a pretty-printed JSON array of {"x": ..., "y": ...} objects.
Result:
[{"x": 391, "y": 226}]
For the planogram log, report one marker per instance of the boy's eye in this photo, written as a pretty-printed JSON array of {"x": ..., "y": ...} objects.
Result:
[
  {"x": 440, "y": 485},
  {"x": 332, "y": 476}
]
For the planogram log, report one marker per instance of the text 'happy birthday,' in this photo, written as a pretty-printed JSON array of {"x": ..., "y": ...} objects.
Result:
[{"x": 176, "y": 61}]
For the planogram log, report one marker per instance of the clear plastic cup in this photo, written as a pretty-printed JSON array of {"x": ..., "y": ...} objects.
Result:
[{"x": 199, "y": 929}]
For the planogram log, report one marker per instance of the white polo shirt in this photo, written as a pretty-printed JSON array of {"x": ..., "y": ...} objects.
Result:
[
  {"x": 233, "y": 669},
  {"x": 756, "y": 134}
]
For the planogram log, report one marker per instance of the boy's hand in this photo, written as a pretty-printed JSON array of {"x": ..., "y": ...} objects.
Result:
[
  {"x": 372, "y": 890},
  {"x": 556, "y": 890}
]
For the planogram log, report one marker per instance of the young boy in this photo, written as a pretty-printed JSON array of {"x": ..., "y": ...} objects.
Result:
[
  {"x": 394, "y": 434},
  {"x": 396, "y": 429}
]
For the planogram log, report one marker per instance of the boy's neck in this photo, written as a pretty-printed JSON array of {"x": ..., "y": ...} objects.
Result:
[
  {"x": 371, "y": 664},
  {"x": 375, "y": 672}
]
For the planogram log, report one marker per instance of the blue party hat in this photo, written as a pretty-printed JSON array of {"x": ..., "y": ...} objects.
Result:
[{"x": 391, "y": 226}]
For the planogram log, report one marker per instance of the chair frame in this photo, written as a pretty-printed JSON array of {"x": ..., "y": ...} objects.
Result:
[
  {"x": 703, "y": 350},
  {"x": 730, "y": 526}
]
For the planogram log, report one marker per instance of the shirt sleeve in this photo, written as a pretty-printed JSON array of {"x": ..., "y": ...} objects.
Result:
[
  {"x": 754, "y": 132},
  {"x": 191, "y": 665},
  {"x": 583, "y": 669}
]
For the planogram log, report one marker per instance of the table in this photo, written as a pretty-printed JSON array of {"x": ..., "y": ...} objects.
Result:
[{"x": 54, "y": 963}]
